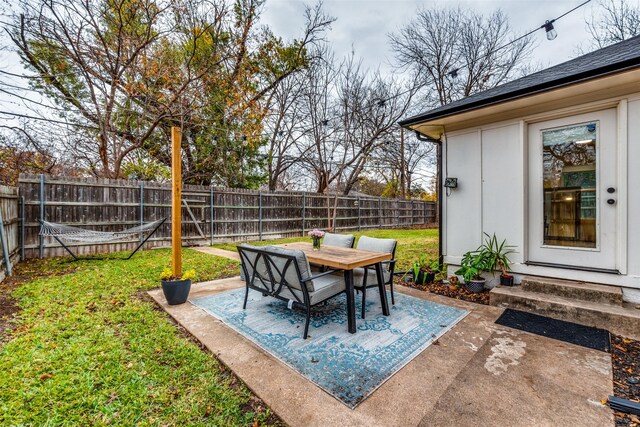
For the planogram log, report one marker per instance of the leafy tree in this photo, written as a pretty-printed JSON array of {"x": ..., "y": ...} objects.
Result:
[
  {"x": 238, "y": 96},
  {"x": 128, "y": 70}
]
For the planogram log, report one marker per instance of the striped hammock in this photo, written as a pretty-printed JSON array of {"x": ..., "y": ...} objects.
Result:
[{"x": 76, "y": 234}]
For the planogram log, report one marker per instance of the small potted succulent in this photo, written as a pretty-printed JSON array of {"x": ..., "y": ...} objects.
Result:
[
  {"x": 425, "y": 270},
  {"x": 472, "y": 265},
  {"x": 176, "y": 289},
  {"x": 316, "y": 235}
]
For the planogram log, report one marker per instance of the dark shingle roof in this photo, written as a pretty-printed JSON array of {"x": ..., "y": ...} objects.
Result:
[{"x": 611, "y": 59}]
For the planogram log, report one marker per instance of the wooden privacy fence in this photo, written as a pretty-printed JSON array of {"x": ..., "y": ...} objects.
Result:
[
  {"x": 209, "y": 215},
  {"x": 9, "y": 229}
]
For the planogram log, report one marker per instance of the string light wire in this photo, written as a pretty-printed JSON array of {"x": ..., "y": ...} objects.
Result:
[{"x": 453, "y": 73}]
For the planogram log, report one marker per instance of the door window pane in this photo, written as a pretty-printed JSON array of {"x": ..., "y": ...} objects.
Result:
[{"x": 570, "y": 188}]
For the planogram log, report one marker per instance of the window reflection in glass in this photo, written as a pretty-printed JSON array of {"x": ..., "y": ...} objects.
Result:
[{"x": 570, "y": 190}]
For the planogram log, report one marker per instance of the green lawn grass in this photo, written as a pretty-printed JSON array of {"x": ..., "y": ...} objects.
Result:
[
  {"x": 411, "y": 243},
  {"x": 90, "y": 349}
]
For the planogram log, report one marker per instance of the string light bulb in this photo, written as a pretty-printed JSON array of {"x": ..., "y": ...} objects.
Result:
[{"x": 551, "y": 32}]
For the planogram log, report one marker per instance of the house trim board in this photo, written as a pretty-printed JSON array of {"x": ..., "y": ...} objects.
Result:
[{"x": 622, "y": 181}]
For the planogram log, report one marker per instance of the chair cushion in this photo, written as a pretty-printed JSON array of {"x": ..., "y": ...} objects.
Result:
[
  {"x": 290, "y": 275},
  {"x": 325, "y": 288},
  {"x": 341, "y": 240},
  {"x": 372, "y": 278},
  {"x": 376, "y": 245},
  {"x": 260, "y": 266}
]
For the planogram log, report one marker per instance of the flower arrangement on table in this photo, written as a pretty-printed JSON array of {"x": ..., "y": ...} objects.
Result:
[{"x": 316, "y": 235}]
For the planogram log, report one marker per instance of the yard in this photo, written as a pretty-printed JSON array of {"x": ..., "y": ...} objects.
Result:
[{"x": 88, "y": 347}]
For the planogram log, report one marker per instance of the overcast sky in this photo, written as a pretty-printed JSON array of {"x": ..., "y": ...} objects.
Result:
[{"x": 364, "y": 25}]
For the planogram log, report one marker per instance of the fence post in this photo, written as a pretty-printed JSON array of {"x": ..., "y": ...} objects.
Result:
[
  {"x": 359, "y": 221},
  {"x": 5, "y": 246},
  {"x": 22, "y": 219},
  {"x": 412, "y": 222},
  {"x": 424, "y": 213},
  {"x": 304, "y": 210},
  {"x": 211, "y": 213},
  {"x": 260, "y": 215},
  {"x": 141, "y": 209},
  {"x": 41, "y": 238},
  {"x": 379, "y": 214}
]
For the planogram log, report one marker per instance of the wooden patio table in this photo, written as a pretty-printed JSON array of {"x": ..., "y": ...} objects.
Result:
[{"x": 347, "y": 259}]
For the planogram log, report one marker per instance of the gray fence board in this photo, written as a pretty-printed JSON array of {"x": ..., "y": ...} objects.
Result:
[
  {"x": 10, "y": 210},
  {"x": 231, "y": 214}
]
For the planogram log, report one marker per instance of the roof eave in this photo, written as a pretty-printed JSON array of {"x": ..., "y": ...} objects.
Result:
[{"x": 532, "y": 90}]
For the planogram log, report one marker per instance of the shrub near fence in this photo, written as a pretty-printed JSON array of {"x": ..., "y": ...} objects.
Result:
[
  {"x": 10, "y": 228},
  {"x": 209, "y": 215}
]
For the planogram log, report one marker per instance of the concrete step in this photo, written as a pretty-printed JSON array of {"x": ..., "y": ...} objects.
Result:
[
  {"x": 575, "y": 290},
  {"x": 618, "y": 319}
]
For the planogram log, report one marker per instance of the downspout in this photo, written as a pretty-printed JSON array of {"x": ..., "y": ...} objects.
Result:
[{"x": 438, "y": 143}]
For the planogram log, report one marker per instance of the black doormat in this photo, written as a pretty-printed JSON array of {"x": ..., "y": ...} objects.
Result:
[{"x": 585, "y": 336}]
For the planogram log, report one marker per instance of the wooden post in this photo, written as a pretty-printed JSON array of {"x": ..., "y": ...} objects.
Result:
[
  {"x": 260, "y": 215},
  {"x": 211, "y": 214},
  {"x": 304, "y": 209},
  {"x": 141, "y": 209},
  {"x": 402, "y": 168},
  {"x": 176, "y": 203},
  {"x": 40, "y": 237}
]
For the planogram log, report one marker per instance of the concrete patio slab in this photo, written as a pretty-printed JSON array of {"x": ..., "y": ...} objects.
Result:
[{"x": 478, "y": 373}]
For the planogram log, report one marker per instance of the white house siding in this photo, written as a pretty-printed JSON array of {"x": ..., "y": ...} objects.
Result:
[
  {"x": 502, "y": 199},
  {"x": 489, "y": 197},
  {"x": 490, "y": 164},
  {"x": 464, "y": 207}
]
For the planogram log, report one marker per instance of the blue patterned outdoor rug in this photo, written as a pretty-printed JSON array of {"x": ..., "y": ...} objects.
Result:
[{"x": 347, "y": 366}]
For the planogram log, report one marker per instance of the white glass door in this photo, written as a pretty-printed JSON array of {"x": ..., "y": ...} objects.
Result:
[{"x": 572, "y": 191}]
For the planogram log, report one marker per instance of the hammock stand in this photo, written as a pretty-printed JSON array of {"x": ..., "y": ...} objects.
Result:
[{"x": 66, "y": 232}]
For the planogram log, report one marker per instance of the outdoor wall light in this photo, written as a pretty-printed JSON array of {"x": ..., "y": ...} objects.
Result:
[
  {"x": 451, "y": 182},
  {"x": 551, "y": 32}
]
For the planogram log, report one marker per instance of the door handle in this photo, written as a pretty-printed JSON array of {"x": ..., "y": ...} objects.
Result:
[{"x": 611, "y": 201}]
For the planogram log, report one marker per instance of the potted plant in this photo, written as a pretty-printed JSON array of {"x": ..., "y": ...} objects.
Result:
[
  {"x": 176, "y": 289},
  {"x": 425, "y": 270},
  {"x": 497, "y": 255},
  {"x": 472, "y": 265}
]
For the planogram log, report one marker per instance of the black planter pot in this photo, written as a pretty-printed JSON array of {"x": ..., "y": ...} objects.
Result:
[
  {"x": 425, "y": 277},
  {"x": 475, "y": 285},
  {"x": 506, "y": 280},
  {"x": 176, "y": 291}
]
